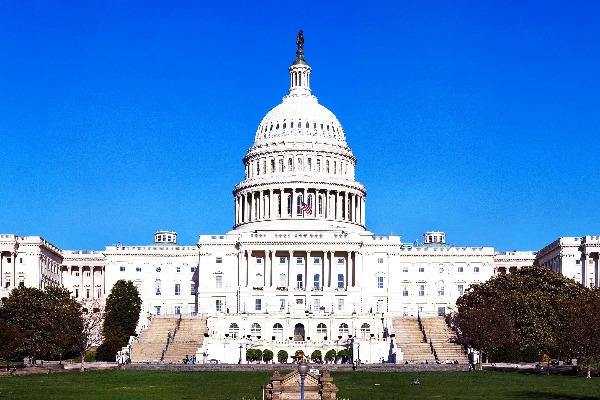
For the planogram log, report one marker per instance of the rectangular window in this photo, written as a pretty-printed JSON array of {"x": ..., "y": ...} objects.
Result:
[
  {"x": 317, "y": 281},
  {"x": 461, "y": 290},
  {"x": 219, "y": 305},
  {"x": 193, "y": 269},
  {"x": 88, "y": 274},
  {"x": 219, "y": 260},
  {"x": 259, "y": 260},
  {"x": 421, "y": 290},
  {"x": 177, "y": 289},
  {"x": 76, "y": 292},
  {"x": 258, "y": 305},
  {"x": 299, "y": 260},
  {"x": 157, "y": 310},
  {"x": 299, "y": 281},
  {"x": 421, "y": 269},
  {"x": 405, "y": 291},
  {"x": 380, "y": 282},
  {"x": 281, "y": 260},
  {"x": 219, "y": 281},
  {"x": 340, "y": 260},
  {"x": 8, "y": 260},
  {"x": 380, "y": 260},
  {"x": 177, "y": 310},
  {"x": 177, "y": 269},
  {"x": 317, "y": 305},
  {"x": 281, "y": 304},
  {"x": 138, "y": 269},
  {"x": 193, "y": 289},
  {"x": 475, "y": 269},
  {"x": 379, "y": 306},
  {"x": 22, "y": 284},
  {"x": 316, "y": 260},
  {"x": 460, "y": 269},
  {"x": 340, "y": 304},
  {"x": 404, "y": 269},
  {"x": 340, "y": 281},
  {"x": 441, "y": 291},
  {"x": 577, "y": 262},
  {"x": 99, "y": 294},
  {"x": 121, "y": 268},
  {"x": 77, "y": 273},
  {"x": 87, "y": 293}
]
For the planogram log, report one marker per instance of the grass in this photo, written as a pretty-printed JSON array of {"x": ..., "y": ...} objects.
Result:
[{"x": 359, "y": 385}]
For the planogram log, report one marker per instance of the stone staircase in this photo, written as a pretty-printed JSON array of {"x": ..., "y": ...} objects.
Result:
[
  {"x": 151, "y": 341},
  {"x": 189, "y": 337},
  {"x": 410, "y": 340},
  {"x": 443, "y": 340}
]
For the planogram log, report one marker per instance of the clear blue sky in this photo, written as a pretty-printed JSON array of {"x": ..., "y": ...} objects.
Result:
[{"x": 477, "y": 118}]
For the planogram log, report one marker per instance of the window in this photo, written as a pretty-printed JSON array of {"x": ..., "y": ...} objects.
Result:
[
  {"x": 281, "y": 260},
  {"x": 441, "y": 289},
  {"x": 8, "y": 260},
  {"x": 87, "y": 291},
  {"x": 475, "y": 269},
  {"x": 380, "y": 260},
  {"x": 299, "y": 201},
  {"x": 278, "y": 331},
  {"x": 219, "y": 281},
  {"x": 340, "y": 260},
  {"x": 299, "y": 260},
  {"x": 404, "y": 269},
  {"x": 282, "y": 280},
  {"x": 343, "y": 329},
  {"x": 340, "y": 304},
  {"x": 255, "y": 329},
  {"x": 340, "y": 281},
  {"x": 460, "y": 269},
  {"x": 121, "y": 268},
  {"x": 193, "y": 269},
  {"x": 88, "y": 274},
  {"x": 321, "y": 332},
  {"x": 177, "y": 289},
  {"x": 317, "y": 305},
  {"x": 316, "y": 260},
  {"x": 258, "y": 304},
  {"x": 421, "y": 290},
  {"x": 177, "y": 269},
  {"x": 365, "y": 331},
  {"x": 157, "y": 310},
  {"x": 177, "y": 310},
  {"x": 461, "y": 290},
  {"x": 219, "y": 305},
  {"x": 380, "y": 282},
  {"x": 259, "y": 280},
  {"x": 281, "y": 304},
  {"x": 317, "y": 281},
  {"x": 77, "y": 273},
  {"x": 219, "y": 260},
  {"x": 138, "y": 269},
  {"x": 99, "y": 294},
  {"x": 193, "y": 289},
  {"x": 405, "y": 291},
  {"x": 379, "y": 306},
  {"x": 421, "y": 269},
  {"x": 299, "y": 281},
  {"x": 259, "y": 260},
  {"x": 234, "y": 330},
  {"x": 157, "y": 286},
  {"x": 76, "y": 292}
]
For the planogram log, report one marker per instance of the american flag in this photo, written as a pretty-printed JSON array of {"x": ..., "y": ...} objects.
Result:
[{"x": 306, "y": 208}]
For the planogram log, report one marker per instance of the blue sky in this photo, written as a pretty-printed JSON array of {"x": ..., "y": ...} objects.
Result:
[{"x": 477, "y": 118}]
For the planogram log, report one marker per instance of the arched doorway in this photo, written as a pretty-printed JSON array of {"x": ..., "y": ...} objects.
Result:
[{"x": 299, "y": 332}]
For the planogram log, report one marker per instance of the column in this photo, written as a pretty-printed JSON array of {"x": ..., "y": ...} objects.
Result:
[
  {"x": 289, "y": 269},
  {"x": 337, "y": 206},
  {"x": 81, "y": 289},
  {"x": 584, "y": 269},
  {"x": 306, "y": 270},
  {"x": 240, "y": 268},
  {"x": 270, "y": 258},
  {"x": 328, "y": 255},
  {"x": 350, "y": 270}
]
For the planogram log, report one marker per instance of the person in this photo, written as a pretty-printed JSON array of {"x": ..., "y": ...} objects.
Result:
[{"x": 300, "y": 39}]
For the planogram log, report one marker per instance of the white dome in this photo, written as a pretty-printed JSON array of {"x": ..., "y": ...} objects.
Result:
[{"x": 300, "y": 117}]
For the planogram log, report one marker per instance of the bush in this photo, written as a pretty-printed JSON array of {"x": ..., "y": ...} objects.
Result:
[
  {"x": 282, "y": 356},
  {"x": 330, "y": 355},
  {"x": 267, "y": 356},
  {"x": 316, "y": 355}
]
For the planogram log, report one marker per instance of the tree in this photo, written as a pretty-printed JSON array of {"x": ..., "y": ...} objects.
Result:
[
  {"x": 330, "y": 355},
  {"x": 254, "y": 354},
  {"x": 282, "y": 356},
  {"x": 267, "y": 355},
  {"x": 91, "y": 334},
  {"x": 10, "y": 340},
  {"x": 49, "y": 320},
  {"x": 518, "y": 316},
  {"x": 316, "y": 355},
  {"x": 122, "y": 312}
]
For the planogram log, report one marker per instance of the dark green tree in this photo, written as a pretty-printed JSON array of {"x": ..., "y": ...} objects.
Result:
[
  {"x": 518, "y": 316},
  {"x": 267, "y": 355},
  {"x": 122, "y": 312},
  {"x": 316, "y": 355},
  {"x": 282, "y": 356},
  {"x": 330, "y": 355},
  {"x": 10, "y": 340}
]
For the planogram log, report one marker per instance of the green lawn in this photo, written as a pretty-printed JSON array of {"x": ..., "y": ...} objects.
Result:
[{"x": 357, "y": 385}]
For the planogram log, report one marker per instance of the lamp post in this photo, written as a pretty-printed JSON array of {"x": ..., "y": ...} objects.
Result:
[
  {"x": 240, "y": 360},
  {"x": 303, "y": 370}
]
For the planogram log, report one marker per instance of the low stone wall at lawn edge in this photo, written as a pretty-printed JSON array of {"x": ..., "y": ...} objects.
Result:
[{"x": 289, "y": 367}]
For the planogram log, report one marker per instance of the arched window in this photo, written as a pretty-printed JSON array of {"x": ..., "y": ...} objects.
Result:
[
  {"x": 318, "y": 165},
  {"x": 281, "y": 165},
  {"x": 258, "y": 280},
  {"x": 290, "y": 165},
  {"x": 299, "y": 281},
  {"x": 440, "y": 288},
  {"x": 317, "y": 281},
  {"x": 289, "y": 205},
  {"x": 309, "y": 201},
  {"x": 320, "y": 210},
  {"x": 255, "y": 329},
  {"x": 234, "y": 330},
  {"x": 326, "y": 166},
  {"x": 343, "y": 330},
  {"x": 272, "y": 165},
  {"x": 157, "y": 286},
  {"x": 299, "y": 205},
  {"x": 309, "y": 164},
  {"x": 278, "y": 331},
  {"x": 365, "y": 331},
  {"x": 299, "y": 166},
  {"x": 321, "y": 332}
]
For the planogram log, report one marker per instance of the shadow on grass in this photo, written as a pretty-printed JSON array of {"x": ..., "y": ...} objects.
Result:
[{"x": 552, "y": 396}]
